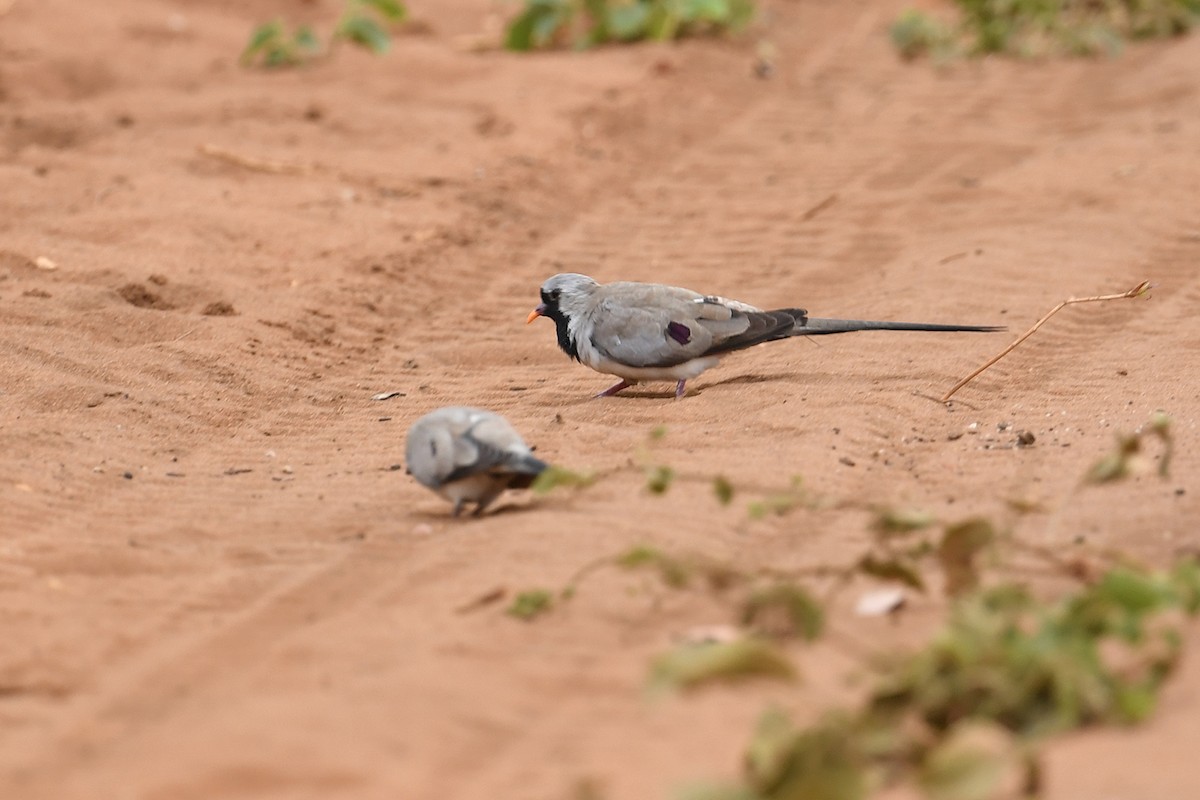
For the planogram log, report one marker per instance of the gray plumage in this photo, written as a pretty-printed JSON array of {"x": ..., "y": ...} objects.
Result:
[
  {"x": 654, "y": 332},
  {"x": 468, "y": 455}
]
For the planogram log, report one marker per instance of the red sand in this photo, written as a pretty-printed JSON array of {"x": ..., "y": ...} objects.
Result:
[{"x": 214, "y": 583}]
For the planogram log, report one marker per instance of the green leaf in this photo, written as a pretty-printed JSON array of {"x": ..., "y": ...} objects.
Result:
[
  {"x": 718, "y": 791},
  {"x": 391, "y": 10},
  {"x": 520, "y": 31},
  {"x": 1160, "y": 425},
  {"x": 1112, "y": 467},
  {"x": 306, "y": 40},
  {"x": 741, "y": 12},
  {"x": 824, "y": 762},
  {"x": 639, "y": 556},
  {"x": 961, "y": 543},
  {"x": 628, "y": 22},
  {"x": 705, "y": 10},
  {"x": 557, "y": 477},
  {"x": 916, "y": 33},
  {"x": 658, "y": 479},
  {"x": 366, "y": 32},
  {"x": 1127, "y": 460},
  {"x": 892, "y": 569},
  {"x": 1121, "y": 463},
  {"x": 890, "y": 521},
  {"x": 531, "y": 604},
  {"x": 261, "y": 38},
  {"x": 1160, "y": 421},
  {"x": 723, "y": 489},
  {"x": 674, "y": 572},
  {"x": 1185, "y": 577},
  {"x": 802, "y": 613},
  {"x": 662, "y": 24},
  {"x": 555, "y": 19},
  {"x": 279, "y": 56},
  {"x": 961, "y": 769},
  {"x": 769, "y": 753},
  {"x": 691, "y": 665},
  {"x": 1134, "y": 592},
  {"x": 1136, "y": 703}
]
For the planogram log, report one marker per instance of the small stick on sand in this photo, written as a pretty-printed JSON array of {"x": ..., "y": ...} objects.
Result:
[
  {"x": 1136, "y": 291},
  {"x": 258, "y": 164},
  {"x": 819, "y": 207}
]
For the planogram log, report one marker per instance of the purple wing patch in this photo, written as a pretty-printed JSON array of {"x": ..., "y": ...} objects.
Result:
[{"x": 679, "y": 332}]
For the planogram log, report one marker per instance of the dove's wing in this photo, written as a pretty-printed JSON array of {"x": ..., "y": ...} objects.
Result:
[
  {"x": 653, "y": 325},
  {"x": 490, "y": 444}
]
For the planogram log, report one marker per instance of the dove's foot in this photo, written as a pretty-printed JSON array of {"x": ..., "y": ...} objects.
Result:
[
  {"x": 616, "y": 387},
  {"x": 679, "y": 390}
]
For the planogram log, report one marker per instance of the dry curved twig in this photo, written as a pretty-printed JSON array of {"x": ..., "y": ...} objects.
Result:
[{"x": 1136, "y": 291}]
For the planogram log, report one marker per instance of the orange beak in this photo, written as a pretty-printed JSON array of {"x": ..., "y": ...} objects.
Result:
[{"x": 537, "y": 312}]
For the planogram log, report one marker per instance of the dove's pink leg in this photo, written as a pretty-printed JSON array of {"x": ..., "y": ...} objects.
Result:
[
  {"x": 679, "y": 390},
  {"x": 610, "y": 391}
]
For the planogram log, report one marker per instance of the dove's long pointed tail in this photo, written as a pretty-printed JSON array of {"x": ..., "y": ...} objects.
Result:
[{"x": 814, "y": 326}]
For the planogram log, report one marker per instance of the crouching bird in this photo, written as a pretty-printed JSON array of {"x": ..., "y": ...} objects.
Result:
[
  {"x": 468, "y": 455},
  {"x": 654, "y": 332}
]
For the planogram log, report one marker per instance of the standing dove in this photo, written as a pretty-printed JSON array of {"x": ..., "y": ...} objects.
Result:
[
  {"x": 468, "y": 455},
  {"x": 654, "y": 332}
]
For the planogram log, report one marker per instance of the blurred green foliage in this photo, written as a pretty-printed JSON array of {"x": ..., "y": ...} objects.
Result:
[
  {"x": 584, "y": 23},
  {"x": 1041, "y": 27},
  {"x": 363, "y": 22},
  {"x": 963, "y": 713}
]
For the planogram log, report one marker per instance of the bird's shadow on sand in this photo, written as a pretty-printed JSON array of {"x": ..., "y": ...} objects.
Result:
[
  {"x": 668, "y": 392},
  {"x": 500, "y": 508},
  {"x": 699, "y": 389}
]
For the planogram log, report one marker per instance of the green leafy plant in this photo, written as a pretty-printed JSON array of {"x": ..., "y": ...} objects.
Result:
[
  {"x": 1038, "y": 27},
  {"x": 362, "y": 22},
  {"x": 1128, "y": 458},
  {"x": 278, "y": 47},
  {"x": 964, "y": 714},
  {"x": 957, "y": 715},
  {"x": 585, "y": 23},
  {"x": 916, "y": 33}
]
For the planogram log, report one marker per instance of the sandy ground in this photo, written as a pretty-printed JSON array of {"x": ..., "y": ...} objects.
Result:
[{"x": 215, "y": 578}]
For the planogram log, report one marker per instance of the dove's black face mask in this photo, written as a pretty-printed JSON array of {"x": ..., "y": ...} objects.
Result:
[{"x": 549, "y": 308}]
